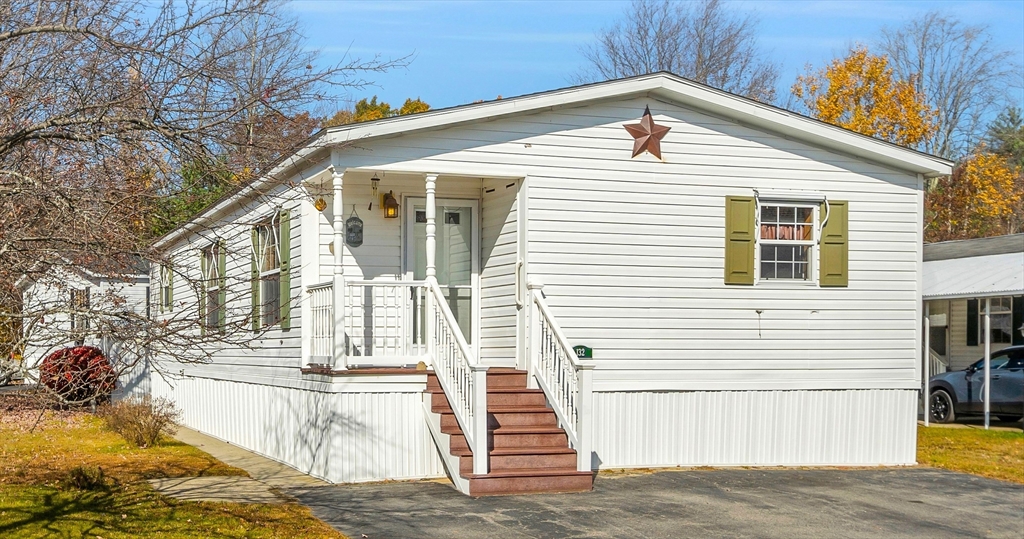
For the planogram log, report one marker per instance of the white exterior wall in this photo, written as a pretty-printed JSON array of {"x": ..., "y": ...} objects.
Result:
[
  {"x": 499, "y": 252},
  {"x": 372, "y": 430},
  {"x": 755, "y": 428},
  {"x": 631, "y": 250}
]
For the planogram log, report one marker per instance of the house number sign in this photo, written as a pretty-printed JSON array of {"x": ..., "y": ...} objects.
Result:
[
  {"x": 583, "y": 352},
  {"x": 354, "y": 231}
]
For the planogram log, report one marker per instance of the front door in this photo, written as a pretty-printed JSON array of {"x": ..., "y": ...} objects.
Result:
[{"x": 457, "y": 258}]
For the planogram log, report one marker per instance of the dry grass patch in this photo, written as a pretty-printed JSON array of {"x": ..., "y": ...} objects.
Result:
[
  {"x": 989, "y": 453},
  {"x": 50, "y": 485},
  {"x": 43, "y": 452}
]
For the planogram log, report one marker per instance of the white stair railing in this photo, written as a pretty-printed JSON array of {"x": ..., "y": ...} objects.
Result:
[
  {"x": 938, "y": 364},
  {"x": 321, "y": 338},
  {"x": 463, "y": 380},
  {"x": 566, "y": 381}
]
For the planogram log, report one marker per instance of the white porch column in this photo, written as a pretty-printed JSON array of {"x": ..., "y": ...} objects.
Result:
[
  {"x": 988, "y": 358},
  {"x": 431, "y": 211},
  {"x": 927, "y": 362},
  {"x": 340, "y": 361}
]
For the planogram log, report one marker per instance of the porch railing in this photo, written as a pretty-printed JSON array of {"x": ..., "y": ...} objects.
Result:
[
  {"x": 464, "y": 380},
  {"x": 321, "y": 340},
  {"x": 566, "y": 381},
  {"x": 385, "y": 319},
  {"x": 938, "y": 364}
]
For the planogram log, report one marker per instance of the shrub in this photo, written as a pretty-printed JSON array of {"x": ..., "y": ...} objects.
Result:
[
  {"x": 141, "y": 421},
  {"x": 78, "y": 374},
  {"x": 85, "y": 478}
]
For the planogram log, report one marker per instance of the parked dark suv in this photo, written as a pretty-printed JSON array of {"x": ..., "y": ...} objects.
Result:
[{"x": 959, "y": 393}]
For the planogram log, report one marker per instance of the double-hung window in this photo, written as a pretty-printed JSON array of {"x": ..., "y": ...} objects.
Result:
[
  {"x": 214, "y": 286},
  {"x": 795, "y": 237},
  {"x": 79, "y": 303},
  {"x": 786, "y": 242},
  {"x": 271, "y": 266},
  {"x": 1001, "y": 320},
  {"x": 166, "y": 288}
]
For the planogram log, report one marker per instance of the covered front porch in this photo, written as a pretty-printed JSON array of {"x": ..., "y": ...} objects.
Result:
[{"x": 375, "y": 241}]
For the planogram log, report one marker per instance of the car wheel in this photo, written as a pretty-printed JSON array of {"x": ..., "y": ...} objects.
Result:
[{"x": 941, "y": 407}]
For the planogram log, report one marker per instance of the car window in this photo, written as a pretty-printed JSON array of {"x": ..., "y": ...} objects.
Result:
[
  {"x": 997, "y": 361},
  {"x": 1016, "y": 360}
]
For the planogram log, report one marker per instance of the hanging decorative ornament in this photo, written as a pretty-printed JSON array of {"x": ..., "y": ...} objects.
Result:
[
  {"x": 374, "y": 183},
  {"x": 647, "y": 135},
  {"x": 320, "y": 204},
  {"x": 354, "y": 229}
]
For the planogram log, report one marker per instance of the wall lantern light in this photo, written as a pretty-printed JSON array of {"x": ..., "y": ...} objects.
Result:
[{"x": 390, "y": 205}]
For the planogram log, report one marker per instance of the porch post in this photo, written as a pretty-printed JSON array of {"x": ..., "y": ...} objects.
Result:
[
  {"x": 927, "y": 361},
  {"x": 340, "y": 361},
  {"x": 431, "y": 211},
  {"x": 988, "y": 359},
  {"x": 585, "y": 420}
]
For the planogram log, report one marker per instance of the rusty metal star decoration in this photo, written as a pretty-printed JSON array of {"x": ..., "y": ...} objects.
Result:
[{"x": 647, "y": 135}]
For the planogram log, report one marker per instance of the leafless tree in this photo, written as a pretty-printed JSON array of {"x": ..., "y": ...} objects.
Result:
[
  {"x": 698, "y": 40},
  {"x": 103, "y": 104},
  {"x": 964, "y": 76}
]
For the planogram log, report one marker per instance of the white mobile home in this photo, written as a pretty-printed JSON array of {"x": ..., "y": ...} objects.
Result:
[
  {"x": 719, "y": 283},
  {"x": 59, "y": 298}
]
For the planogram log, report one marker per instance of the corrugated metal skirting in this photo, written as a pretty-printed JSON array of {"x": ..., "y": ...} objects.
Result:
[
  {"x": 340, "y": 437},
  {"x": 850, "y": 427}
]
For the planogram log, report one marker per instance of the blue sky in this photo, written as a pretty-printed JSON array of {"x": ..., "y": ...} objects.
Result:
[{"x": 465, "y": 51}]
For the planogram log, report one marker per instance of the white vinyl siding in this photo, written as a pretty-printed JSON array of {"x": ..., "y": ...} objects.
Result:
[
  {"x": 498, "y": 258},
  {"x": 631, "y": 250}
]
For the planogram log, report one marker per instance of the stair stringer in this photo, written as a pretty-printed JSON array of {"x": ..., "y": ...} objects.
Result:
[{"x": 443, "y": 444}]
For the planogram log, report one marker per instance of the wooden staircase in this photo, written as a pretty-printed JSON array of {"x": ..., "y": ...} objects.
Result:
[{"x": 528, "y": 451}]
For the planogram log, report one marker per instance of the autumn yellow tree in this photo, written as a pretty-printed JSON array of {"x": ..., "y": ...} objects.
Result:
[
  {"x": 983, "y": 197},
  {"x": 860, "y": 92},
  {"x": 370, "y": 109}
]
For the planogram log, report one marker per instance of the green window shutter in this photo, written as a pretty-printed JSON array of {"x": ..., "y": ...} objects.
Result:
[
  {"x": 834, "y": 255},
  {"x": 286, "y": 266},
  {"x": 972, "y": 322},
  {"x": 255, "y": 279},
  {"x": 740, "y": 237},
  {"x": 1018, "y": 321},
  {"x": 202, "y": 292},
  {"x": 222, "y": 295}
]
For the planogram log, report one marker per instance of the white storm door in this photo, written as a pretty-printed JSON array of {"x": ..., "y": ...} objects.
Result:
[{"x": 457, "y": 259}]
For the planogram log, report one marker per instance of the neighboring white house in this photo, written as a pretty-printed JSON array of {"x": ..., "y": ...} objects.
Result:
[
  {"x": 752, "y": 298},
  {"x": 62, "y": 293},
  {"x": 958, "y": 278}
]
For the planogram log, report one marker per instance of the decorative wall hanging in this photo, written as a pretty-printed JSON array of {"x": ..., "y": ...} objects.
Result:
[
  {"x": 354, "y": 229},
  {"x": 647, "y": 135}
]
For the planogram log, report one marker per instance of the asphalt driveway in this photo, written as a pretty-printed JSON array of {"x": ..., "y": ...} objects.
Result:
[{"x": 790, "y": 503}]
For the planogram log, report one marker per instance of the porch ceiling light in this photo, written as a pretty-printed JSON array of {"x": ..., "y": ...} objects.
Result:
[{"x": 390, "y": 205}]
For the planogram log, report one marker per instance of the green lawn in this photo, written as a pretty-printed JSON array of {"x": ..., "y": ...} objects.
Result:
[
  {"x": 991, "y": 453},
  {"x": 36, "y": 457}
]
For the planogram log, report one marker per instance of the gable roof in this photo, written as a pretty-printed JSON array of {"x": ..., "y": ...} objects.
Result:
[
  {"x": 996, "y": 245},
  {"x": 663, "y": 85},
  {"x": 672, "y": 88}
]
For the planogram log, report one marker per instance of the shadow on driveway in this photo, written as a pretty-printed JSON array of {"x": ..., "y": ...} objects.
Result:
[{"x": 893, "y": 502}]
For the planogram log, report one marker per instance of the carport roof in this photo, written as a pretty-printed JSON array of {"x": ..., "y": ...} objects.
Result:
[{"x": 974, "y": 277}]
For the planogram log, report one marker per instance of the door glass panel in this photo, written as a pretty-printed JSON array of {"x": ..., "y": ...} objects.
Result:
[{"x": 454, "y": 258}]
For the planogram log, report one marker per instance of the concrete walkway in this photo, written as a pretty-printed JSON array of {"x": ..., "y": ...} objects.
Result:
[{"x": 268, "y": 480}]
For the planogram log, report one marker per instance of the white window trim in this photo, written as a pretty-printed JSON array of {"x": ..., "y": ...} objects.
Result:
[
  {"x": 810, "y": 200},
  {"x": 165, "y": 288}
]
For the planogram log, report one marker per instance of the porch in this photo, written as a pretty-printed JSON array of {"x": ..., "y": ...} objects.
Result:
[{"x": 428, "y": 272}]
